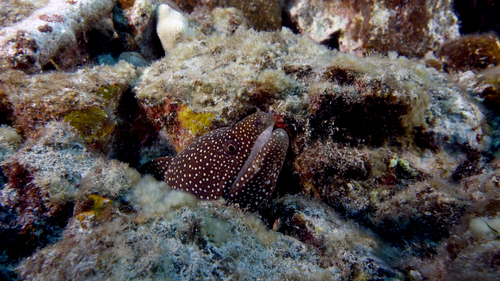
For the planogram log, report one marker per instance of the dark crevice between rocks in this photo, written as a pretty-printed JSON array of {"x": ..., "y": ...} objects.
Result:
[
  {"x": 478, "y": 16},
  {"x": 133, "y": 132},
  {"x": 371, "y": 122},
  {"x": 100, "y": 43},
  {"x": 287, "y": 182},
  {"x": 126, "y": 42},
  {"x": 6, "y": 117},
  {"x": 332, "y": 41},
  {"x": 105, "y": 43},
  {"x": 287, "y": 21},
  {"x": 6, "y": 110},
  {"x": 157, "y": 51}
]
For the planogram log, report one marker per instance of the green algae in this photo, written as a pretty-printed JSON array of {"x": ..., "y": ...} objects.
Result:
[
  {"x": 93, "y": 123},
  {"x": 108, "y": 92}
]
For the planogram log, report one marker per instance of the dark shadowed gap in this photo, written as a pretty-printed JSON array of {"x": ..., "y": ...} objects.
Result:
[{"x": 134, "y": 130}]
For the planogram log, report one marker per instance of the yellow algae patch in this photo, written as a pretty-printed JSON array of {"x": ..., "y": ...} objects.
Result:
[
  {"x": 196, "y": 123},
  {"x": 97, "y": 206}
]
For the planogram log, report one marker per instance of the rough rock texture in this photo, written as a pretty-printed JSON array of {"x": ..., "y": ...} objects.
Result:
[
  {"x": 471, "y": 251},
  {"x": 392, "y": 170},
  {"x": 12, "y": 11},
  {"x": 353, "y": 250},
  {"x": 262, "y": 15},
  {"x": 181, "y": 242},
  {"x": 46, "y": 175},
  {"x": 368, "y": 100},
  {"x": 409, "y": 28},
  {"x": 472, "y": 52},
  {"x": 88, "y": 99},
  {"x": 51, "y": 35}
]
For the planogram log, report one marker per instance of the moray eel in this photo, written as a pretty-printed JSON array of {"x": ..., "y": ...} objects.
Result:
[{"x": 239, "y": 163}]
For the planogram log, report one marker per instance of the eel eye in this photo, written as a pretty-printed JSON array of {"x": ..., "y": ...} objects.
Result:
[{"x": 231, "y": 146}]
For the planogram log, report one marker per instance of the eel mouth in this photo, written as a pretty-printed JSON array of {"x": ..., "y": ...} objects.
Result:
[{"x": 261, "y": 141}]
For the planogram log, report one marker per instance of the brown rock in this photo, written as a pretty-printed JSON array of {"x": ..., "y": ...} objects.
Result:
[
  {"x": 471, "y": 52},
  {"x": 409, "y": 28},
  {"x": 263, "y": 15}
]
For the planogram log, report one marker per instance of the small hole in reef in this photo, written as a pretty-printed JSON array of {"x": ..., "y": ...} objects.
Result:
[{"x": 332, "y": 41}]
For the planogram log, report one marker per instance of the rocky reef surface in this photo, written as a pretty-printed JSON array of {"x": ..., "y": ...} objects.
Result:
[{"x": 393, "y": 117}]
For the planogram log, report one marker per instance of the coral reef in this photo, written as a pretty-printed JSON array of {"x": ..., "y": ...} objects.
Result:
[{"x": 393, "y": 123}]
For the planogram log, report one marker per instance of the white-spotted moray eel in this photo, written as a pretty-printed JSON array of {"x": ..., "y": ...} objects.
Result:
[{"x": 239, "y": 163}]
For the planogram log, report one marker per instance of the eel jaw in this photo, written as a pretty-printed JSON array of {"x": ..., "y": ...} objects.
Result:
[
  {"x": 256, "y": 181},
  {"x": 262, "y": 140}
]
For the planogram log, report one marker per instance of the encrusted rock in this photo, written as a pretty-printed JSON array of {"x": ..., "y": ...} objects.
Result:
[
  {"x": 51, "y": 34},
  {"x": 183, "y": 241},
  {"x": 261, "y": 14},
  {"x": 86, "y": 99},
  {"x": 340, "y": 245},
  {"x": 471, "y": 52},
  {"x": 409, "y": 28}
]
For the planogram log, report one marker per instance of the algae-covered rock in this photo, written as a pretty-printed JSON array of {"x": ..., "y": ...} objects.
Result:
[
  {"x": 208, "y": 241},
  {"x": 391, "y": 173},
  {"x": 366, "y": 133},
  {"x": 261, "y": 15},
  {"x": 87, "y": 99},
  {"x": 471, "y": 52},
  {"x": 342, "y": 244},
  {"x": 46, "y": 174},
  {"x": 409, "y": 28}
]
